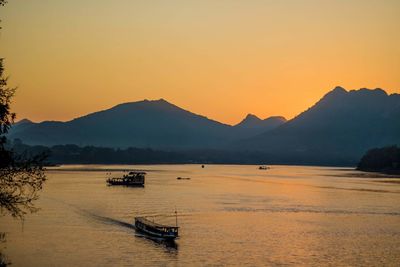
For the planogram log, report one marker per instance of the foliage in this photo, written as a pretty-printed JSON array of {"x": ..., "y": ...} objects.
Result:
[
  {"x": 19, "y": 185},
  {"x": 21, "y": 177},
  {"x": 73, "y": 154},
  {"x": 386, "y": 159},
  {"x": 6, "y": 117}
]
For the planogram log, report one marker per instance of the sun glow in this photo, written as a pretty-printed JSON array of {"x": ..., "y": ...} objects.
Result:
[{"x": 222, "y": 59}]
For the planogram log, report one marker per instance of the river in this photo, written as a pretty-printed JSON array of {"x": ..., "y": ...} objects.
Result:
[{"x": 228, "y": 215}]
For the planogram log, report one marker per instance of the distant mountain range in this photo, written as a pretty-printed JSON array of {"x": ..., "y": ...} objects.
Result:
[
  {"x": 154, "y": 124},
  {"x": 338, "y": 129}
]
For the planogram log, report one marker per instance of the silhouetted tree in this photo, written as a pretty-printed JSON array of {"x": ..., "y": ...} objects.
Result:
[
  {"x": 6, "y": 116},
  {"x": 385, "y": 159},
  {"x": 2, "y": 3},
  {"x": 21, "y": 177}
]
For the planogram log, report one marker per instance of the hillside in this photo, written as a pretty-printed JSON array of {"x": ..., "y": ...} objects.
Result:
[
  {"x": 139, "y": 124},
  {"x": 154, "y": 124},
  {"x": 337, "y": 129}
]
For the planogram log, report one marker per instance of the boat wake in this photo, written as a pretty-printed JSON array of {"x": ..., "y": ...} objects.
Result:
[
  {"x": 171, "y": 245},
  {"x": 110, "y": 221},
  {"x": 94, "y": 216}
]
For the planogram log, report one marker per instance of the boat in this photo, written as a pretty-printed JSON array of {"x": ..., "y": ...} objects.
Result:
[
  {"x": 167, "y": 232},
  {"x": 183, "y": 178},
  {"x": 263, "y": 168},
  {"x": 133, "y": 178}
]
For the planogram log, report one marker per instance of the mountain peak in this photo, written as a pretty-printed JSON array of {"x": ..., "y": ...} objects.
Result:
[
  {"x": 145, "y": 102},
  {"x": 251, "y": 117},
  {"x": 250, "y": 120},
  {"x": 23, "y": 121},
  {"x": 276, "y": 118},
  {"x": 253, "y": 122},
  {"x": 337, "y": 91},
  {"x": 374, "y": 92},
  {"x": 161, "y": 100}
]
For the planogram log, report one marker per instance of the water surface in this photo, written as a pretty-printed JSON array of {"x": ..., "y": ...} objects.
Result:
[{"x": 229, "y": 215}]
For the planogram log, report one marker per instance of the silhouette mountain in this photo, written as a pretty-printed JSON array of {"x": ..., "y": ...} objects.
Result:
[
  {"x": 156, "y": 124},
  {"x": 339, "y": 128},
  {"x": 140, "y": 124},
  {"x": 22, "y": 125},
  {"x": 252, "y": 125}
]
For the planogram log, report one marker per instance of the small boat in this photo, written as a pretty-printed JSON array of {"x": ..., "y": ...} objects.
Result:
[
  {"x": 263, "y": 168},
  {"x": 133, "y": 178},
  {"x": 183, "y": 178},
  {"x": 154, "y": 229}
]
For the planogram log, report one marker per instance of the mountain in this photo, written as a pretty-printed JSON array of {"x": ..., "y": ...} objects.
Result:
[
  {"x": 22, "y": 125},
  {"x": 338, "y": 129},
  {"x": 156, "y": 124},
  {"x": 252, "y": 125}
]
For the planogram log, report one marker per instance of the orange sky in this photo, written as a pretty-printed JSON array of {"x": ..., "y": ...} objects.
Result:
[{"x": 221, "y": 59}]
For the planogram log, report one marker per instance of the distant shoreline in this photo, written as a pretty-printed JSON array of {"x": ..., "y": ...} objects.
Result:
[
  {"x": 337, "y": 167},
  {"x": 131, "y": 167},
  {"x": 387, "y": 172},
  {"x": 383, "y": 160}
]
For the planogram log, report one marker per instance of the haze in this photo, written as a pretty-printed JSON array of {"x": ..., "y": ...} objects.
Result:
[{"x": 222, "y": 59}]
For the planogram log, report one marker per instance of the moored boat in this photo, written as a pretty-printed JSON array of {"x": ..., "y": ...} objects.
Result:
[
  {"x": 133, "y": 178},
  {"x": 154, "y": 229},
  {"x": 263, "y": 167},
  {"x": 183, "y": 178}
]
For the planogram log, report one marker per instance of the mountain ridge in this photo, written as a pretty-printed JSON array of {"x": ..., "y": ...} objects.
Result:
[
  {"x": 339, "y": 127},
  {"x": 146, "y": 123}
]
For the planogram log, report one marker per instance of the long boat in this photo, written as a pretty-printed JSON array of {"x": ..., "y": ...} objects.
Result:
[
  {"x": 133, "y": 178},
  {"x": 154, "y": 229}
]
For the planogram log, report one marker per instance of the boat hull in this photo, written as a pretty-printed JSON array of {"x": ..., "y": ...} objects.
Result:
[
  {"x": 139, "y": 184},
  {"x": 134, "y": 178},
  {"x": 154, "y": 232}
]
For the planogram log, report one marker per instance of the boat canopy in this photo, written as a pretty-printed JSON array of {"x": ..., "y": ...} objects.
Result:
[
  {"x": 154, "y": 224},
  {"x": 137, "y": 173}
]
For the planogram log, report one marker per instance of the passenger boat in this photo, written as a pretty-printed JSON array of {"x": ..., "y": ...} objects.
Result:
[
  {"x": 133, "y": 178},
  {"x": 154, "y": 229}
]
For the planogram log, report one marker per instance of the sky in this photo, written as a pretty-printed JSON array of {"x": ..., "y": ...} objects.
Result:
[{"x": 219, "y": 58}]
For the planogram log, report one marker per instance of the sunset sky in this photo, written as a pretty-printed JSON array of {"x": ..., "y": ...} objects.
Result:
[{"x": 221, "y": 59}]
